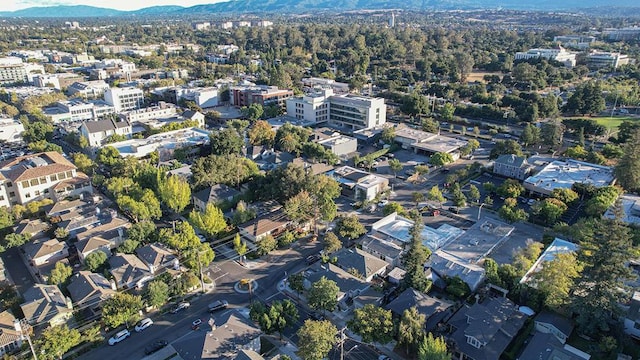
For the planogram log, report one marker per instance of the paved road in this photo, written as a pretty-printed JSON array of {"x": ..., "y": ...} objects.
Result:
[{"x": 172, "y": 327}]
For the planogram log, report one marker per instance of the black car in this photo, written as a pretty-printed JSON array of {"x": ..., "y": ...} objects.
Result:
[
  {"x": 454, "y": 210},
  {"x": 155, "y": 346}
]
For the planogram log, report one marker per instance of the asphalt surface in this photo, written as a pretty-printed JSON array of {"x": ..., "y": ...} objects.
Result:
[{"x": 176, "y": 327}]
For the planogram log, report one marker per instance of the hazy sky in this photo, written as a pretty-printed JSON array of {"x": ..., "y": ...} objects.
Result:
[{"x": 10, "y": 5}]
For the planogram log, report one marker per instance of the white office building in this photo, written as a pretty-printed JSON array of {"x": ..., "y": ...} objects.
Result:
[
  {"x": 88, "y": 89},
  {"x": 13, "y": 70},
  {"x": 597, "y": 60},
  {"x": 161, "y": 111},
  {"x": 124, "y": 99},
  {"x": 345, "y": 112},
  {"x": 203, "y": 97},
  {"x": 561, "y": 55}
]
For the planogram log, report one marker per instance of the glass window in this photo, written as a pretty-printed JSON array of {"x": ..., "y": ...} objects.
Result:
[
  {"x": 69, "y": 174},
  {"x": 34, "y": 182},
  {"x": 36, "y": 193},
  {"x": 61, "y": 176},
  {"x": 9, "y": 184},
  {"x": 27, "y": 195},
  {"x": 43, "y": 180},
  {"x": 12, "y": 194},
  {"x": 25, "y": 184},
  {"x": 53, "y": 177}
]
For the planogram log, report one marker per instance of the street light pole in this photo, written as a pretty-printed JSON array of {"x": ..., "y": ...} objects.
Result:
[
  {"x": 479, "y": 210},
  {"x": 24, "y": 330}
]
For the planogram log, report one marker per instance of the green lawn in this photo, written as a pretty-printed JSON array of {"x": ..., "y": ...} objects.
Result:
[{"x": 611, "y": 122}]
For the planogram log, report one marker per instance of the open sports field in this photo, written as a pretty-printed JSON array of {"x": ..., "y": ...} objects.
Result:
[{"x": 612, "y": 122}]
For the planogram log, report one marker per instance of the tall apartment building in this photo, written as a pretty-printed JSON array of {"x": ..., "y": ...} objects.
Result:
[
  {"x": 38, "y": 176},
  {"x": 560, "y": 55},
  {"x": 346, "y": 112},
  {"x": 203, "y": 97},
  {"x": 263, "y": 95},
  {"x": 12, "y": 70},
  {"x": 124, "y": 99},
  {"x": 599, "y": 60},
  {"x": 201, "y": 25}
]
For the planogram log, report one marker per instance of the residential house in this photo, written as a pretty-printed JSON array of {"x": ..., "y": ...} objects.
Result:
[
  {"x": 382, "y": 249},
  {"x": 97, "y": 132},
  {"x": 358, "y": 184},
  {"x": 36, "y": 176},
  {"x": 215, "y": 195},
  {"x": 67, "y": 206},
  {"x": 554, "y": 324},
  {"x": 370, "y": 296},
  {"x": 233, "y": 334},
  {"x": 194, "y": 115},
  {"x": 250, "y": 355},
  {"x": 483, "y": 331},
  {"x": 11, "y": 337},
  {"x": 545, "y": 346},
  {"x": 34, "y": 229},
  {"x": 632, "y": 317},
  {"x": 45, "y": 304},
  {"x": 512, "y": 166},
  {"x": 91, "y": 245},
  {"x": 273, "y": 223},
  {"x": 112, "y": 229},
  {"x": 360, "y": 262},
  {"x": 128, "y": 271},
  {"x": 349, "y": 285},
  {"x": 157, "y": 257},
  {"x": 435, "y": 310},
  {"x": 40, "y": 252},
  {"x": 89, "y": 290},
  {"x": 396, "y": 275}
]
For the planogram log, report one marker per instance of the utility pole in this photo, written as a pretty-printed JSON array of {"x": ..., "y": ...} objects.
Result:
[{"x": 24, "y": 330}]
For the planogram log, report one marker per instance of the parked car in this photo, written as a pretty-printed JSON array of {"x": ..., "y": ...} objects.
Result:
[
  {"x": 454, "y": 209},
  {"x": 181, "y": 306},
  {"x": 202, "y": 238},
  {"x": 315, "y": 316},
  {"x": 312, "y": 259},
  {"x": 218, "y": 305},
  {"x": 195, "y": 325},
  {"x": 383, "y": 203},
  {"x": 155, "y": 346},
  {"x": 143, "y": 324},
  {"x": 119, "y": 336}
]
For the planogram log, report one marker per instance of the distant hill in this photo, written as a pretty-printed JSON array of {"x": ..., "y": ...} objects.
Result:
[{"x": 300, "y": 6}]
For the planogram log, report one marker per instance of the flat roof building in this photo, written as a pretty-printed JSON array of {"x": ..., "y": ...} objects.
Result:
[
  {"x": 165, "y": 143},
  {"x": 597, "y": 60},
  {"x": 396, "y": 228},
  {"x": 630, "y": 207},
  {"x": 358, "y": 184},
  {"x": 558, "y": 246},
  {"x": 425, "y": 142},
  {"x": 562, "y": 174},
  {"x": 567, "y": 58},
  {"x": 124, "y": 99}
]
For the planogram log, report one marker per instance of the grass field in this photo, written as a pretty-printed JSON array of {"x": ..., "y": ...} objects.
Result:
[{"x": 611, "y": 122}]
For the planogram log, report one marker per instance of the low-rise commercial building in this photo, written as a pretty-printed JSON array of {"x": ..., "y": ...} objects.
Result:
[
  {"x": 10, "y": 130},
  {"x": 259, "y": 94},
  {"x": 358, "y": 184},
  {"x": 598, "y": 60},
  {"x": 580, "y": 42},
  {"x": 88, "y": 89},
  {"x": 567, "y": 58},
  {"x": 427, "y": 143},
  {"x": 162, "y": 110},
  {"x": 562, "y": 174}
]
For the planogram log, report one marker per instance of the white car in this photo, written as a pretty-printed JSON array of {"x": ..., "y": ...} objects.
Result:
[
  {"x": 121, "y": 335},
  {"x": 383, "y": 202},
  {"x": 143, "y": 324},
  {"x": 181, "y": 306}
]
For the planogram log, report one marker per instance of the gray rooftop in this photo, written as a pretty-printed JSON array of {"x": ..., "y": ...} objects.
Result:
[
  {"x": 216, "y": 193},
  {"x": 547, "y": 347},
  {"x": 88, "y": 287},
  {"x": 363, "y": 262},
  {"x": 434, "y": 309},
  {"x": 512, "y": 160},
  {"x": 559, "y": 322}
]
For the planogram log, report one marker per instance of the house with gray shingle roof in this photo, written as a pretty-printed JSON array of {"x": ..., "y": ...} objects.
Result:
[
  {"x": 128, "y": 271},
  {"x": 435, "y": 310},
  {"x": 93, "y": 244},
  {"x": 42, "y": 251},
  {"x": 364, "y": 263},
  {"x": 88, "y": 289},
  {"x": 97, "y": 131},
  {"x": 46, "y": 304},
  {"x": 483, "y": 331},
  {"x": 157, "y": 257},
  {"x": 215, "y": 195}
]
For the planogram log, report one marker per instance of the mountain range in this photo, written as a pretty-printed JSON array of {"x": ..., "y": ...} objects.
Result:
[{"x": 302, "y": 6}]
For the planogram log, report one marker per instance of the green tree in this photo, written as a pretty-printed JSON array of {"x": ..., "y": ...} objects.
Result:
[
  {"x": 252, "y": 112},
  {"x": 530, "y": 135},
  {"x": 510, "y": 188},
  {"x": 556, "y": 279},
  {"x": 491, "y": 270},
  {"x": 415, "y": 259},
  {"x": 226, "y": 142},
  {"x": 300, "y": 208},
  {"x": 60, "y": 273},
  {"x": 433, "y": 349},
  {"x": 551, "y": 133},
  {"x": 157, "y": 293},
  {"x": 417, "y": 197},
  {"x": 262, "y": 133},
  {"x": 331, "y": 243},
  {"x": 411, "y": 329},
  {"x": 350, "y": 227},
  {"x": 121, "y": 308},
  {"x": 142, "y": 232},
  {"x": 628, "y": 168},
  {"x": 315, "y": 339},
  {"x": 84, "y": 163},
  {"x": 15, "y": 240},
  {"x": 435, "y": 194},
  {"x": 511, "y": 213},
  {"x": 277, "y": 317},
  {"x": 373, "y": 324},
  {"x": 440, "y": 159},
  {"x": 211, "y": 221},
  {"x": 605, "y": 252},
  {"x": 296, "y": 282},
  {"x": 549, "y": 210},
  {"x": 388, "y": 134},
  {"x": 430, "y": 125},
  {"x": 108, "y": 156},
  {"x": 266, "y": 245},
  {"x": 175, "y": 193},
  {"x": 505, "y": 148},
  {"x": 56, "y": 341},
  {"x": 128, "y": 246},
  {"x": 392, "y": 207},
  {"x": 459, "y": 199},
  {"x": 95, "y": 260},
  {"x": 395, "y": 165},
  {"x": 323, "y": 295},
  {"x": 446, "y": 113},
  {"x": 567, "y": 196},
  {"x": 239, "y": 246},
  {"x": 474, "y": 193}
]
